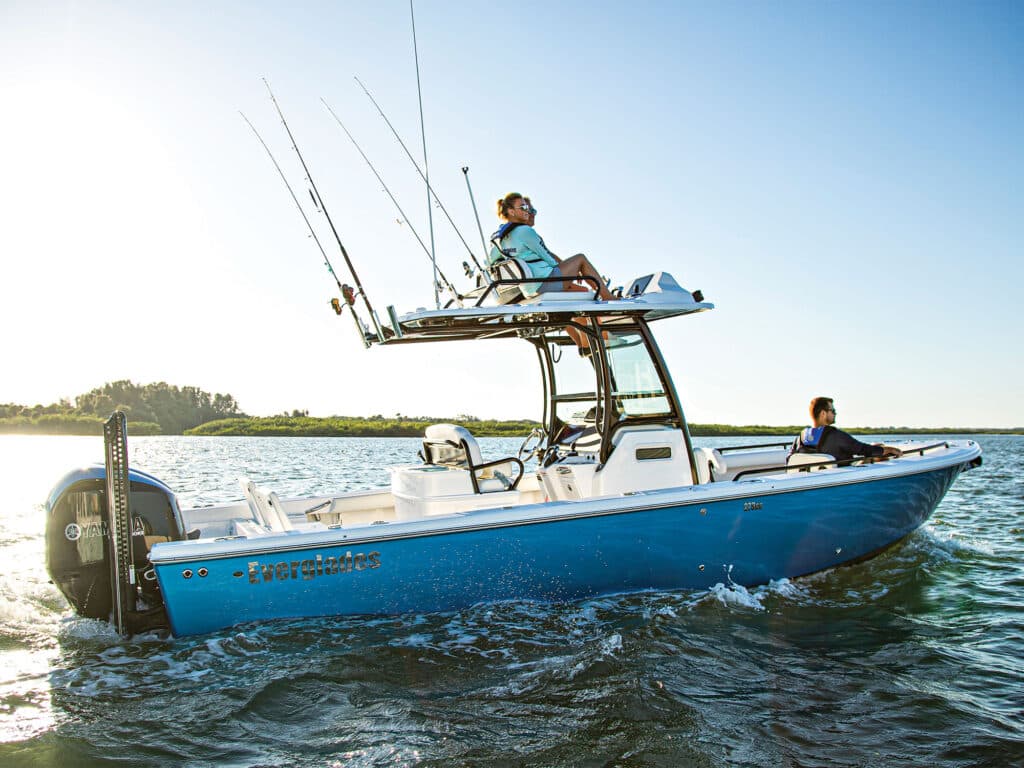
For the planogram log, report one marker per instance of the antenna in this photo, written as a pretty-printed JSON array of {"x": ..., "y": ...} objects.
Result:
[
  {"x": 426, "y": 169},
  {"x": 330, "y": 268},
  {"x": 318, "y": 199},
  {"x": 422, "y": 176},
  {"x": 447, "y": 284}
]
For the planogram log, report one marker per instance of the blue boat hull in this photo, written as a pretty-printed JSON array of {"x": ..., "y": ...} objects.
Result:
[{"x": 752, "y": 538}]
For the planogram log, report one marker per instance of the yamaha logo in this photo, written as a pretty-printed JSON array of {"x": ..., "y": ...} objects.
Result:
[{"x": 73, "y": 532}]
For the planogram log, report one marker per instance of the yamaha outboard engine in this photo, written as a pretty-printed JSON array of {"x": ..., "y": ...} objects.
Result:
[{"x": 83, "y": 544}]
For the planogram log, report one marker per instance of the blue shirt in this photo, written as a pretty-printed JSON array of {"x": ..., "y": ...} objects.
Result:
[{"x": 524, "y": 243}]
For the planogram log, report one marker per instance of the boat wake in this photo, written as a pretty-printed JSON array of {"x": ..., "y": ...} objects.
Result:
[
  {"x": 953, "y": 542},
  {"x": 738, "y": 596}
]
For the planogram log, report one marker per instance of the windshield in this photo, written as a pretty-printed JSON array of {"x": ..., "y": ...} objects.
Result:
[
  {"x": 574, "y": 378},
  {"x": 637, "y": 389}
]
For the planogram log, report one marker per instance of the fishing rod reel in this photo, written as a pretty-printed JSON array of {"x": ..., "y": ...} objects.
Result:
[
  {"x": 348, "y": 300},
  {"x": 348, "y": 294}
]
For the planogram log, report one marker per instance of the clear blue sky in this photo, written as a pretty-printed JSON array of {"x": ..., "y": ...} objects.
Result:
[{"x": 843, "y": 181}]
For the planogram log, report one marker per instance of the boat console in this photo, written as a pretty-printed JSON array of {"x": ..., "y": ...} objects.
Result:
[{"x": 645, "y": 457}]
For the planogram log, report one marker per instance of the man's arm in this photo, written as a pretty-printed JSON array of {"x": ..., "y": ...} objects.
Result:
[{"x": 845, "y": 444}]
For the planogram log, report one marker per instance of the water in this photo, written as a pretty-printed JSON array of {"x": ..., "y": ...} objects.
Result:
[{"x": 914, "y": 658}]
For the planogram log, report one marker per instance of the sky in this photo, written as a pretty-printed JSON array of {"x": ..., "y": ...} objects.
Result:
[{"x": 843, "y": 182}]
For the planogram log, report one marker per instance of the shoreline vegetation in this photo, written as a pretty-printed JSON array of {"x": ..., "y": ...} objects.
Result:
[
  {"x": 357, "y": 426},
  {"x": 164, "y": 409},
  {"x": 405, "y": 426}
]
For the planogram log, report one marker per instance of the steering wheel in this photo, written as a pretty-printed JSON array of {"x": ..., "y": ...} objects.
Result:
[
  {"x": 550, "y": 455},
  {"x": 527, "y": 451}
]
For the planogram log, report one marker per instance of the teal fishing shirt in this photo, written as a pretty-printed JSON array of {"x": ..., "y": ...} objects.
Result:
[{"x": 523, "y": 242}]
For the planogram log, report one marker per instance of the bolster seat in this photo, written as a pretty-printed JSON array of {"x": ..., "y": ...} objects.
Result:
[
  {"x": 509, "y": 269},
  {"x": 516, "y": 269},
  {"x": 454, "y": 446}
]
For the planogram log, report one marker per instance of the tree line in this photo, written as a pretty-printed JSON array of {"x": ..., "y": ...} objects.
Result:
[
  {"x": 165, "y": 409},
  {"x": 299, "y": 424},
  {"x": 356, "y": 426},
  {"x": 158, "y": 408}
]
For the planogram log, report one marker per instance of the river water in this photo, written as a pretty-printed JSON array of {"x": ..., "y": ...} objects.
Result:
[{"x": 914, "y": 658}]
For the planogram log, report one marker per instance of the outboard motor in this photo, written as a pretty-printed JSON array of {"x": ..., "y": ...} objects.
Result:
[{"x": 80, "y": 554}]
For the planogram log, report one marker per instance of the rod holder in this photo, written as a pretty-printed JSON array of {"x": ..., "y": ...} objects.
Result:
[
  {"x": 377, "y": 327},
  {"x": 395, "y": 326}
]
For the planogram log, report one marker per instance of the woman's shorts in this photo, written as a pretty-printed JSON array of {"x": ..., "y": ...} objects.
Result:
[{"x": 553, "y": 285}]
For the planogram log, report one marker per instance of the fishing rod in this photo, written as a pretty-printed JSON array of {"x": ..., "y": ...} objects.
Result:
[
  {"x": 423, "y": 133},
  {"x": 423, "y": 176},
  {"x": 483, "y": 241},
  {"x": 447, "y": 284},
  {"x": 346, "y": 291},
  {"x": 317, "y": 198}
]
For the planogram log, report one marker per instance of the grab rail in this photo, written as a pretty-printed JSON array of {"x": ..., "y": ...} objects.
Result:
[
  {"x": 474, "y": 467},
  {"x": 844, "y": 463},
  {"x": 496, "y": 463},
  {"x": 524, "y": 280},
  {"x": 920, "y": 451}
]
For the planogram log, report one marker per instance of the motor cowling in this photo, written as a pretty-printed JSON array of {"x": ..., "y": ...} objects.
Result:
[{"x": 78, "y": 549}]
